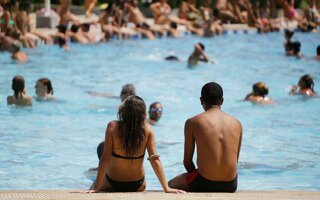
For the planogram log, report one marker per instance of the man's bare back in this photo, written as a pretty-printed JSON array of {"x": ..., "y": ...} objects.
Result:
[{"x": 217, "y": 137}]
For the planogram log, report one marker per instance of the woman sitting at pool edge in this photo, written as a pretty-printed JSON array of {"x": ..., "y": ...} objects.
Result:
[
  {"x": 19, "y": 97},
  {"x": 121, "y": 165},
  {"x": 304, "y": 86},
  {"x": 259, "y": 94}
]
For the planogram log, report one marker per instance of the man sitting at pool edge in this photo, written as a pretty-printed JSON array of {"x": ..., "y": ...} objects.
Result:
[{"x": 218, "y": 138}]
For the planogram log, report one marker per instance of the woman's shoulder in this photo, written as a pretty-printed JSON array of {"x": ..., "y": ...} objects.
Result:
[
  {"x": 148, "y": 129},
  {"x": 27, "y": 100},
  {"x": 10, "y": 100},
  {"x": 113, "y": 124}
]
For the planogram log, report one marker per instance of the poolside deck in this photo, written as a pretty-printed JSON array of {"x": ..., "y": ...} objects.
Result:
[{"x": 158, "y": 195}]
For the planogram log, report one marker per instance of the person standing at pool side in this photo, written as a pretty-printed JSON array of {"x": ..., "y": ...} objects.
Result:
[
  {"x": 197, "y": 55},
  {"x": 126, "y": 140},
  {"x": 155, "y": 113},
  {"x": 217, "y": 137},
  {"x": 44, "y": 90},
  {"x": 19, "y": 97},
  {"x": 304, "y": 86},
  {"x": 259, "y": 94}
]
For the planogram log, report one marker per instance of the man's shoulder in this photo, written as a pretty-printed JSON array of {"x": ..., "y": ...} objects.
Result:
[
  {"x": 196, "y": 118},
  {"x": 230, "y": 117}
]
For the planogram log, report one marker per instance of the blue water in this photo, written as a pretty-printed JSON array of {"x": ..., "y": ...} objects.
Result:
[{"x": 52, "y": 144}]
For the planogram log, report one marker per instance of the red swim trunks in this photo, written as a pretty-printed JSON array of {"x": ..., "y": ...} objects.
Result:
[
  {"x": 198, "y": 183},
  {"x": 191, "y": 176}
]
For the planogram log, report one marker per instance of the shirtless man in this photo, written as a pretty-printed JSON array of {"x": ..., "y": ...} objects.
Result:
[
  {"x": 160, "y": 11},
  {"x": 217, "y": 137},
  {"x": 136, "y": 16},
  {"x": 197, "y": 55}
]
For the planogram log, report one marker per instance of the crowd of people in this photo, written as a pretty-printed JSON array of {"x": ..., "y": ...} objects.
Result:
[
  {"x": 124, "y": 19},
  {"x": 127, "y": 138}
]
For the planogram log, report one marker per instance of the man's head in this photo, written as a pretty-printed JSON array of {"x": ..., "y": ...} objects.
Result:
[
  {"x": 100, "y": 149},
  {"x": 43, "y": 87},
  {"x": 74, "y": 28},
  {"x": 211, "y": 94},
  {"x": 202, "y": 46},
  {"x": 155, "y": 111},
  {"x": 260, "y": 89},
  {"x": 62, "y": 28},
  {"x": 199, "y": 47},
  {"x": 60, "y": 41},
  {"x": 127, "y": 90},
  {"x": 85, "y": 27}
]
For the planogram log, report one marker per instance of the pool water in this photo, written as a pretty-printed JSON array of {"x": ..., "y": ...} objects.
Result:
[{"x": 51, "y": 145}]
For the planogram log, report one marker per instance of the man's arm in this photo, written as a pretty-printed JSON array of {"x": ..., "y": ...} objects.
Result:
[
  {"x": 240, "y": 142},
  {"x": 189, "y": 144}
]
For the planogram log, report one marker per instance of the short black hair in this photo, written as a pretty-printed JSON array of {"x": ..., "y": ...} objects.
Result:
[
  {"x": 202, "y": 46},
  {"x": 212, "y": 93},
  {"x": 60, "y": 41},
  {"x": 62, "y": 28},
  {"x": 318, "y": 50},
  {"x": 173, "y": 25},
  {"x": 296, "y": 47},
  {"x": 85, "y": 26},
  {"x": 74, "y": 28}
]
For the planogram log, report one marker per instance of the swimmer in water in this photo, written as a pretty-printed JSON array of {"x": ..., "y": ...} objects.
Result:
[
  {"x": 198, "y": 55},
  {"x": 259, "y": 94},
  {"x": 304, "y": 86},
  {"x": 44, "y": 90}
]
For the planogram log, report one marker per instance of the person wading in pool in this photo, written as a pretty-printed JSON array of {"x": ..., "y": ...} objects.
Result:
[
  {"x": 198, "y": 55},
  {"x": 155, "y": 113},
  {"x": 217, "y": 137},
  {"x": 19, "y": 97}
]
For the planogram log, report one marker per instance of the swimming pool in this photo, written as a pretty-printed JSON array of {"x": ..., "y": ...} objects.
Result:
[{"x": 52, "y": 144}]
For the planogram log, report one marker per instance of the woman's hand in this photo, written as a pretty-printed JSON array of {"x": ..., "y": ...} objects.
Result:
[
  {"x": 88, "y": 192},
  {"x": 176, "y": 191}
]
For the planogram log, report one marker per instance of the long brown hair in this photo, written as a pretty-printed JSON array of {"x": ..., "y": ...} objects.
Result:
[
  {"x": 131, "y": 125},
  {"x": 18, "y": 85}
]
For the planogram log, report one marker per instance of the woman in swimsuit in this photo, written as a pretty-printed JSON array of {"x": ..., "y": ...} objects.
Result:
[
  {"x": 304, "y": 86},
  {"x": 259, "y": 94},
  {"x": 19, "y": 97},
  {"x": 126, "y": 140}
]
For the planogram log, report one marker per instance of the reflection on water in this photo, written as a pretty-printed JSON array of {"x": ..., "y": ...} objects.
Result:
[{"x": 51, "y": 145}]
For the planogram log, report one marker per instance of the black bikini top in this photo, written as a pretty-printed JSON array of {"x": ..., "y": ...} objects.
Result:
[{"x": 126, "y": 157}]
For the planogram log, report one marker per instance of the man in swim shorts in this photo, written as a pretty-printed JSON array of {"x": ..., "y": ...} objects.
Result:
[{"x": 217, "y": 137}]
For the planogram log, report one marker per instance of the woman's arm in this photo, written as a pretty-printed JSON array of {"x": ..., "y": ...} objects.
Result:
[
  {"x": 105, "y": 158},
  {"x": 157, "y": 165}
]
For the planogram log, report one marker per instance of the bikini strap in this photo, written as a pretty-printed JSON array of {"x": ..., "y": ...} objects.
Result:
[{"x": 126, "y": 157}]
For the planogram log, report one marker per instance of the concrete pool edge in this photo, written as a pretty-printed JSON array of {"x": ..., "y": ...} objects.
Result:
[{"x": 155, "y": 195}]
